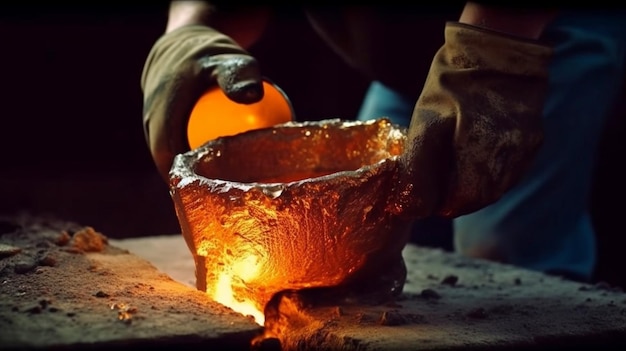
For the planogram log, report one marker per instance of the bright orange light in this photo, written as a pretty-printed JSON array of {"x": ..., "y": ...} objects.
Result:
[
  {"x": 214, "y": 115},
  {"x": 291, "y": 207},
  {"x": 244, "y": 269},
  {"x": 223, "y": 293}
]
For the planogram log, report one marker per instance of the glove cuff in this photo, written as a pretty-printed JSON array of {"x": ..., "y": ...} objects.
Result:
[
  {"x": 503, "y": 52},
  {"x": 492, "y": 32},
  {"x": 190, "y": 41}
]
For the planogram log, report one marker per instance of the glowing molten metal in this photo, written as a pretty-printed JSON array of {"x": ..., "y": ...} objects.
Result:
[{"x": 295, "y": 206}]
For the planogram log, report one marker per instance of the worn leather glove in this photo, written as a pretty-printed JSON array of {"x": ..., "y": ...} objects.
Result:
[
  {"x": 476, "y": 127},
  {"x": 180, "y": 67}
]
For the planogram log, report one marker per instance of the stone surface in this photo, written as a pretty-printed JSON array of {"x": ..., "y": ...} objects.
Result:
[
  {"x": 449, "y": 302},
  {"x": 116, "y": 298},
  {"x": 168, "y": 253},
  {"x": 489, "y": 306},
  {"x": 68, "y": 288}
]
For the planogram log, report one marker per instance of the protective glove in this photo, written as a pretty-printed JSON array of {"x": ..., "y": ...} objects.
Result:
[
  {"x": 476, "y": 126},
  {"x": 180, "y": 67}
]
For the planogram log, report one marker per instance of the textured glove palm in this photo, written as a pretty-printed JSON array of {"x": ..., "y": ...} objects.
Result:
[
  {"x": 181, "y": 66},
  {"x": 477, "y": 124}
]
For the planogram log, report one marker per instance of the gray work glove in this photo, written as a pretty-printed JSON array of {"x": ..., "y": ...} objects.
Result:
[
  {"x": 476, "y": 126},
  {"x": 180, "y": 67}
]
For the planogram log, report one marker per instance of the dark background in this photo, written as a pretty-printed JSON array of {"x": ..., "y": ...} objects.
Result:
[
  {"x": 71, "y": 138},
  {"x": 72, "y": 142}
]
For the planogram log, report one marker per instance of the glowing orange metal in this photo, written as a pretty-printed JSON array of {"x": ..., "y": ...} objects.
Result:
[{"x": 298, "y": 205}]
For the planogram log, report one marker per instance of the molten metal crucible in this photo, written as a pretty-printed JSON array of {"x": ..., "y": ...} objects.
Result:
[{"x": 298, "y": 205}]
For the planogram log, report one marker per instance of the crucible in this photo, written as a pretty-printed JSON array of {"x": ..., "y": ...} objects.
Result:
[{"x": 298, "y": 205}]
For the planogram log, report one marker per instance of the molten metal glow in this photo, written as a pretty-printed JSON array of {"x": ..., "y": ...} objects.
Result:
[
  {"x": 223, "y": 293},
  {"x": 235, "y": 275},
  {"x": 299, "y": 205},
  {"x": 245, "y": 269}
]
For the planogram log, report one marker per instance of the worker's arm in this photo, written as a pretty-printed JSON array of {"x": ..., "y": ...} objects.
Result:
[
  {"x": 526, "y": 23},
  {"x": 476, "y": 126},
  {"x": 244, "y": 25},
  {"x": 203, "y": 45}
]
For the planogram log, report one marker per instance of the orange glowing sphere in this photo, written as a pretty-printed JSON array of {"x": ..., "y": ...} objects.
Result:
[{"x": 215, "y": 115}]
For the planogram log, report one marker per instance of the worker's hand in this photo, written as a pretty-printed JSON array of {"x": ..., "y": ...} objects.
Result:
[
  {"x": 477, "y": 124},
  {"x": 181, "y": 66}
]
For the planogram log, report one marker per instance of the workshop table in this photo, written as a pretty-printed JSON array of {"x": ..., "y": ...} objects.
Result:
[
  {"x": 449, "y": 302},
  {"x": 67, "y": 287}
]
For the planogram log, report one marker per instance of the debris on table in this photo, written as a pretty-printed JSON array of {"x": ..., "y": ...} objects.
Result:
[{"x": 62, "y": 286}]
